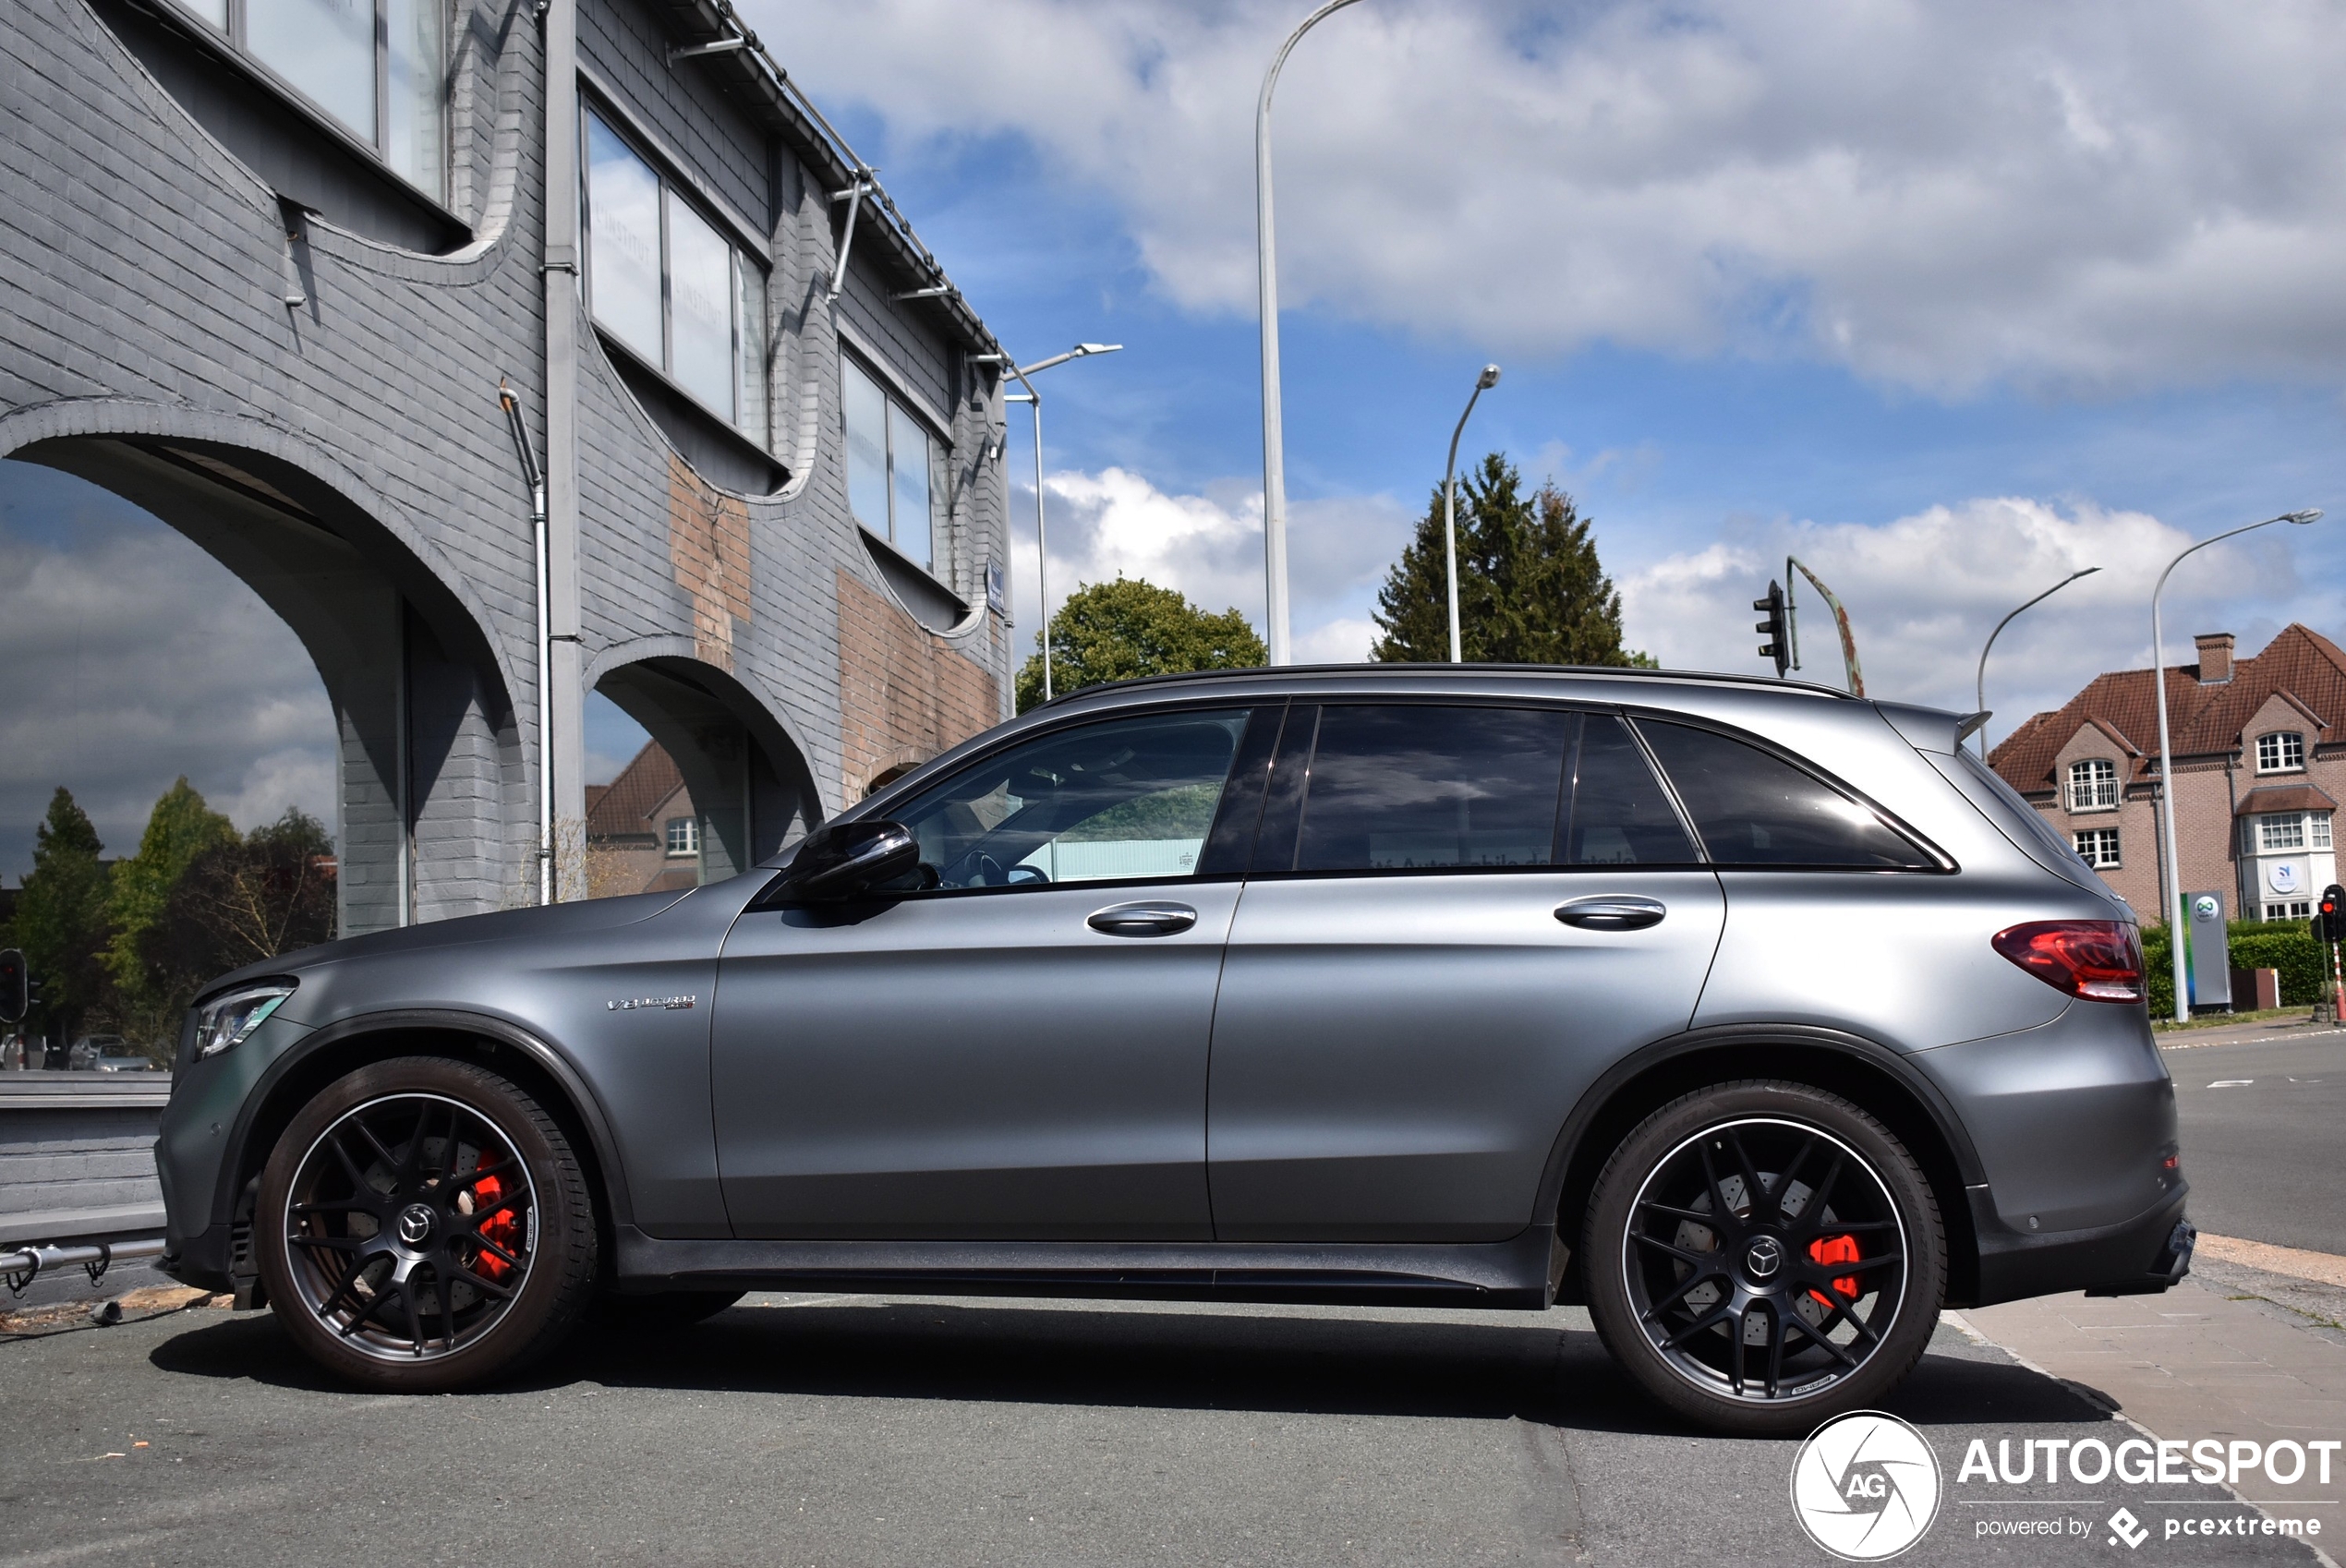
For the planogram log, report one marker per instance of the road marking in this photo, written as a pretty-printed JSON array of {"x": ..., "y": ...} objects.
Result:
[{"x": 2231, "y": 1083}]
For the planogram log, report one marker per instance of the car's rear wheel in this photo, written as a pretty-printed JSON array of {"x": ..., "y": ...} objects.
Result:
[
  {"x": 1762, "y": 1255},
  {"x": 424, "y": 1225}
]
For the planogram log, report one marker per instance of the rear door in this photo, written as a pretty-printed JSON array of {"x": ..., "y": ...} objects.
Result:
[{"x": 1458, "y": 916}]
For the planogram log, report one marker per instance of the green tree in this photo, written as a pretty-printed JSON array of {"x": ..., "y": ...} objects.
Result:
[
  {"x": 61, "y": 921},
  {"x": 179, "y": 829},
  {"x": 1122, "y": 629},
  {"x": 240, "y": 901},
  {"x": 1530, "y": 589}
]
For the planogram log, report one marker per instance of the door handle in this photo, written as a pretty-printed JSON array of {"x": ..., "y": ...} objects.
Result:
[
  {"x": 1612, "y": 912},
  {"x": 1143, "y": 919}
]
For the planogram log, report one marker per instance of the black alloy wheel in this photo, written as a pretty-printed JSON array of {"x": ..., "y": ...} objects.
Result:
[
  {"x": 1763, "y": 1255},
  {"x": 425, "y": 1225}
]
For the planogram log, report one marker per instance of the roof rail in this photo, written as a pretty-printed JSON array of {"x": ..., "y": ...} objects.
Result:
[{"x": 1604, "y": 671}]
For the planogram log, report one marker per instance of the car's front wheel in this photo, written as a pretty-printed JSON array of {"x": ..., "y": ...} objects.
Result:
[
  {"x": 424, "y": 1225},
  {"x": 1762, "y": 1255}
]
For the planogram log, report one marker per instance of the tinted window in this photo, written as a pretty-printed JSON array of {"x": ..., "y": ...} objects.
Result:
[
  {"x": 1753, "y": 808},
  {"x": 1127, "y": 798},
  {"x": 1410, "y": 787},
  {"x": 1619, "y": 814}
]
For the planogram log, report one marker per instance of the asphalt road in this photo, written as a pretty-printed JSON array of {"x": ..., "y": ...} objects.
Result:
[
  {"x": 2264, "y": 1137},
  {"x": 870, "y": 1430}
]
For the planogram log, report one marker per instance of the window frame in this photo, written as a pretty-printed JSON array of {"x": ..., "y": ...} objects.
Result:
[
  {"x": 233, "y": 44},
  {"x": 2070, "y": 789},
  {"x": 2282, "y": 740},
  {"x": 747, "y": 346},
  {"x": 691, "y": 824},
  {"x": 2116, "y": 860},
  {"x": 893, "y": 405},
  {"x": 2267, "y": 821}
]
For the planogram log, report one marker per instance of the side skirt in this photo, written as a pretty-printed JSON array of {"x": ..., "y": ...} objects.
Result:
[{"x": 1518, "y": 1273}]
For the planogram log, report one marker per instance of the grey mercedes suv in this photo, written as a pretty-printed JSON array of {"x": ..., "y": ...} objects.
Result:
[{"x": 1761, "y": 1020}]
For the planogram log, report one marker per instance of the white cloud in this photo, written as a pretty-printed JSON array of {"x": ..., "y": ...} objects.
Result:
[
  {"x": 1209, "y": 546},
  {"x": 1933, "y": 195},
  {"x": 1923, "y": 592}
]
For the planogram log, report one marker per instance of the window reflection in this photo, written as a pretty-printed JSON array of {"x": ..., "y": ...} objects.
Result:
[{"x": 324, "y": 47}]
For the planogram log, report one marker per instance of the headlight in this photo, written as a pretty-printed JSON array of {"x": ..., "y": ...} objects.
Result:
[{"x": 227, "y": 1018}]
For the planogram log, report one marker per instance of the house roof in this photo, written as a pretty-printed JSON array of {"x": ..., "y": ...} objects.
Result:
[
  {"x": 628, "y": 803},
  {"x": 2203, "y": 720},
  {"x": 2284, "y": 797}
]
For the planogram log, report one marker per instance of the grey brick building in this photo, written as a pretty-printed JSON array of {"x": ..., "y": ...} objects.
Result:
[{"x": 263, "y": 264}]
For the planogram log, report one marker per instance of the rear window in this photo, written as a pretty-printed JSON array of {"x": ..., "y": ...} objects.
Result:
[
  {"x": 1753, "y": 808},
  {"x": 1414, "y": 788}
]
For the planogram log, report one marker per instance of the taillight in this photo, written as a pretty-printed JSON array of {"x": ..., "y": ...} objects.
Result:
[{"x": 2098, "y": 959}]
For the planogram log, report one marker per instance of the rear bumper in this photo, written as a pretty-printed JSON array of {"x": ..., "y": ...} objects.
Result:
[{"x": 2137, "y": 1257}]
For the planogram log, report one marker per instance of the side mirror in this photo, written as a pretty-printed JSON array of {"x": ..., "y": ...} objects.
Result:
[{"x": 842, "y": 861}]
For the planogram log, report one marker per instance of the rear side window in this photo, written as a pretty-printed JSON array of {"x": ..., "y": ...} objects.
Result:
[
  {"x": 1414, "y": 786},
  {"x": 1754, "y": 808},
  {"x": 1618, "y": 814}
]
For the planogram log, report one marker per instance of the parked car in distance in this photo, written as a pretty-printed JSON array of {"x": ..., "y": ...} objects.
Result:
[
  {"x": 1762, "y": 1020},
  {"x": 109, "y": 1053}
]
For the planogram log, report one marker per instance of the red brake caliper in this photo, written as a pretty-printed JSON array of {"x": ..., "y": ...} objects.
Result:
[
  {"x": 1835, "y": 1250},
  {"x": 503, "y": 1227}
]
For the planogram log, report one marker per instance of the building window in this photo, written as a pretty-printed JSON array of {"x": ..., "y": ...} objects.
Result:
[
  {"x": 2283, "y": 830},
  {"x": 2302, "y": 909},
  {"x": 2098, "y": 847},
  {"x": 891, "y": 463},
  {"x": 683, "y": 836},
  {"x": 377, "y": 67},
  {"x": 2093, "y": 784},
  {"x": 667, "y": 284},
  {"x": 2282, "y": 752}
]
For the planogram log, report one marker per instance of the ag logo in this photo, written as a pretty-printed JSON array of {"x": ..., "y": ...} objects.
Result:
[{"x": 1865, "y": 1486}]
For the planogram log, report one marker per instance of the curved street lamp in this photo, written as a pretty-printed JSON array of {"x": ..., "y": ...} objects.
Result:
[
  {"x": 2174, "y": 892},
  {"x": 1482, "y": 383},
  {"x": 1980, "y": 695},
  {"x": 1275, "y": 619},
  {"x": 1041, "y": 543}
]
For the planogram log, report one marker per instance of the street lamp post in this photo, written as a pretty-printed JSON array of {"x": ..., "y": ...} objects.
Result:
[
  {"x": 1482, "y": 383},
  {"x": 1042, "y": 537},
  {"x": 1274, "y": 620},
  {"x": 1980, "y": 693},
  {"x": 2174, "y": 892}
]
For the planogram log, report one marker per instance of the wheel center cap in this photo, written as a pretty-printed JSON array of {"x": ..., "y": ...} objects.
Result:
[
  {"x": 1765, "y": 1257},
  {"x": 414, "y": 1223}
]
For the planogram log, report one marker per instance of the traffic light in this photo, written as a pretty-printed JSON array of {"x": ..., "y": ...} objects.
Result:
[
  {"x": 2329, "y": 915},
  {"x": 16, "y": 992},
  {"x": 1777, "y": 628}
]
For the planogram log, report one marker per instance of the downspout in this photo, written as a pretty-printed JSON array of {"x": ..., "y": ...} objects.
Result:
[
  {"x": 561, "y": 784},
  {"x": 533, "y": 477}
]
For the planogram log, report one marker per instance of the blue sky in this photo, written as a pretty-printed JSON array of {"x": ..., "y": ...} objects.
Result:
[{"x": 1949, "y": 299}]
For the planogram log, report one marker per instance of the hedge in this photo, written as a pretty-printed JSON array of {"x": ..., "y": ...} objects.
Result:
[{"x": 2286, "y": 945}]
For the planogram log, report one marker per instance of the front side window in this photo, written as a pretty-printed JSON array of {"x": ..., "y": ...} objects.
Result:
[
  {"x": 2098, "y": 847},
  {"x": 1754, "y": 808},
  {"x": 2093, "y": 784},
  {"x": 891, "y": 463},
  {"x": 668, "y": 285},
  {"x": 2281, "y": 753},
  {"x": 333, "y": 54},
  {"x": 683, "y": 836},
  {"x": 1122, "y": 799},
  {"x": 2281, "y": 830}
]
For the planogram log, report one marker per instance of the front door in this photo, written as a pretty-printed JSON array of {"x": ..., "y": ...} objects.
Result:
[
  {"x": 1017, "y": 1051},
  {"x": 1458, "y": 917}
]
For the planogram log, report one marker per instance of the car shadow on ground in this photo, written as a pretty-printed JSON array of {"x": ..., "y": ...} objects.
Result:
[{"x": 1522, "y": 1368}]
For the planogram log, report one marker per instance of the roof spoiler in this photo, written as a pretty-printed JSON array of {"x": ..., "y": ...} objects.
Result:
[{"x": 1933, "y": 729}]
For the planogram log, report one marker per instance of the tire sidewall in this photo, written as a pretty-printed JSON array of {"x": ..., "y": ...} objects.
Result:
[
  {"x": 1667, "y": 1129},
  {"x": 554, "y": 1288}
]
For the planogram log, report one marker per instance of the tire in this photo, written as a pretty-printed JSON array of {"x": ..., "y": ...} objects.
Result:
[
  {"x": 424, "y": 1226},
  {"x": 1816, "y": 1297},
  {"x": 669, "y": 1309}
]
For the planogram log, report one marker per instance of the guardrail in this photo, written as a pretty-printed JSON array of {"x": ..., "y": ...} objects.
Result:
[{"x": 77, "y": 1157}]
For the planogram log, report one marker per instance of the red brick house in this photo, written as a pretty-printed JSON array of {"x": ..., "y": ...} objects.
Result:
[
  {"x": 642, "y": 835},
  {"x": 2260, "y": 765}
]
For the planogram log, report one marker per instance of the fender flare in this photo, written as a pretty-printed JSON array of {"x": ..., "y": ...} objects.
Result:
[
  {"x": 558, "y": 1066},
  {"x": 1896, "y": 1065}
]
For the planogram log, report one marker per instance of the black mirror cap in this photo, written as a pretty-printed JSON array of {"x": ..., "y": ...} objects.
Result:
[{"x": 845, "y": 860}]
